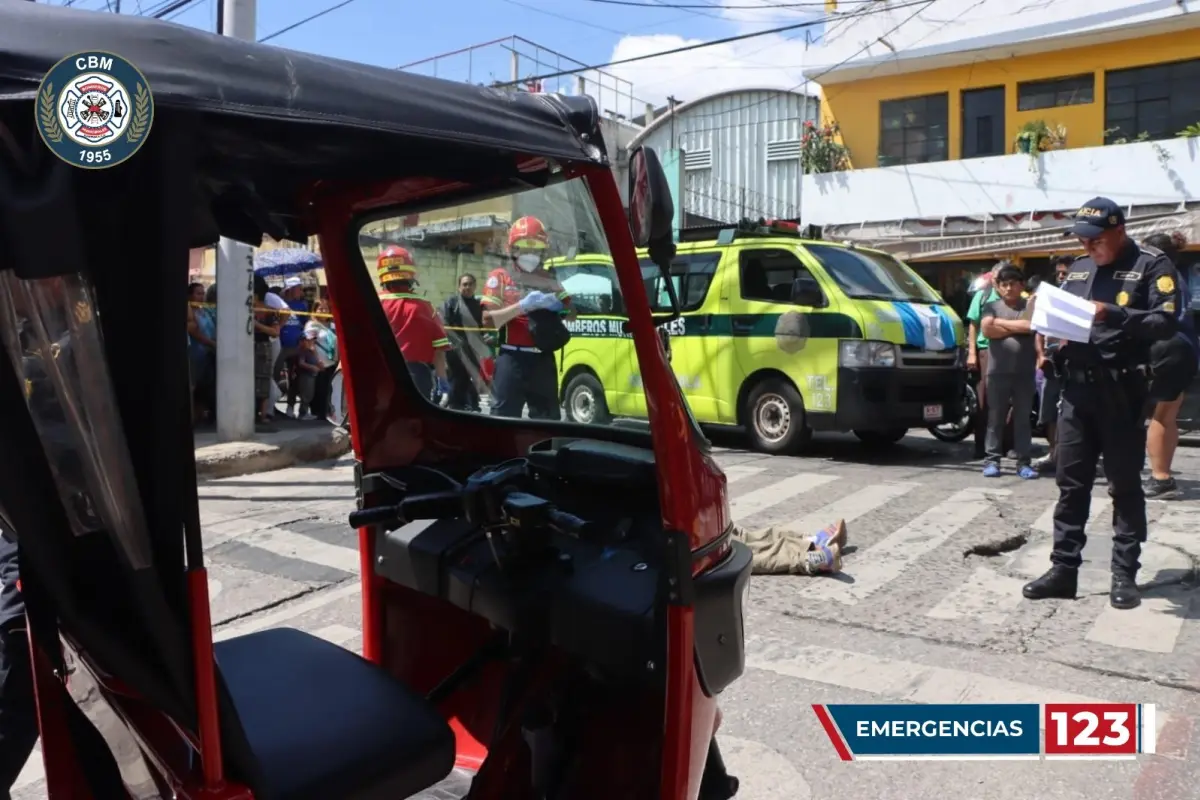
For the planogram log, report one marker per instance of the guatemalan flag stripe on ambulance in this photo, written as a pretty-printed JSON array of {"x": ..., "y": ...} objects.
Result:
[
  {"x": 926, "y": 326},
  {"x": 989, "y": 732}
]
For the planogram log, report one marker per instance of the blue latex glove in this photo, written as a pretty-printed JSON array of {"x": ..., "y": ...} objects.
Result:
[
  {"x": 443, "y": 386},
  {"x": 553, "y": 303},
  {"x": 535, "y": 300}
]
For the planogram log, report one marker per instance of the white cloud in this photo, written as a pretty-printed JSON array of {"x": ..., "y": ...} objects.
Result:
[{"x": 768, "y": 61}]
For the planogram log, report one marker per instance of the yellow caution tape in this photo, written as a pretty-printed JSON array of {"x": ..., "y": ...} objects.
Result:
[{"x": 323, "y": 315}]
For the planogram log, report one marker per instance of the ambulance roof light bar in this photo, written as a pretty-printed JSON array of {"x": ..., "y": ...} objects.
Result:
[{"x": 725, "y": 234}]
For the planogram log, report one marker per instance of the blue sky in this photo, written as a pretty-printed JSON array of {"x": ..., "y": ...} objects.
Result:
[{"x": 395, "y": 32}]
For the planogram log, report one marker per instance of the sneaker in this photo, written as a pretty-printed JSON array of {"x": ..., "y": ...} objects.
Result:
[
  {"x": 1027, "y": 473},
  {"x": 1157, "y": 489},
  {"x": 823, "y": 558},
  {"x": 832, "y": 534},
  {"x": 991, "y": 471}
]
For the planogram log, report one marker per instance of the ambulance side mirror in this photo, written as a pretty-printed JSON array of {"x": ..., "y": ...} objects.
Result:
[{"x": 651, "y": 210}]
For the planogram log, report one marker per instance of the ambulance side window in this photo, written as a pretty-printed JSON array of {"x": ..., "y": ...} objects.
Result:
[
  {"x": 691, "y": 275},
  {"x": 591, "y": 288},
  {"x": 769, "y": 276}
]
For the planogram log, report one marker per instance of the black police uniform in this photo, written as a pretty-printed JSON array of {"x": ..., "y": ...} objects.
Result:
[
  {"x": 18, "y": 710},
  {"x": 1102, "y": 412}
]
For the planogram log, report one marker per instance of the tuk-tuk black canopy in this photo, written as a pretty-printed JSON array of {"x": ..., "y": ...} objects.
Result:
[
  {"x": 240, "y": 131},
  {"x": 268, "y": 120}
]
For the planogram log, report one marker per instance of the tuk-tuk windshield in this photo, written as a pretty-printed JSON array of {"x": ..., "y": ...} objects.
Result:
[{"x": 539, "y": 261}]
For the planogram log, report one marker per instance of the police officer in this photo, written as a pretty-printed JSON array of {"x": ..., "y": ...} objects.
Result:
[
  {"x": 1135, "y": 293},
  {"x": 519, "y": 299},
  {"x": 18, "y": 711},
  {"x": 418, "y": 331}
]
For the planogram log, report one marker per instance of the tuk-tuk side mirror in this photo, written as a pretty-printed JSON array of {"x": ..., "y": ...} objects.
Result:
[
  {"x": 806, "y": 292},
  {"x": 651, "y": 210},
  {"x": 652, "y": 214}
]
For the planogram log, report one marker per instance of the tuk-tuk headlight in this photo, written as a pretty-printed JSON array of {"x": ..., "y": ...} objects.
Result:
[{"x": 858, "y": 353}]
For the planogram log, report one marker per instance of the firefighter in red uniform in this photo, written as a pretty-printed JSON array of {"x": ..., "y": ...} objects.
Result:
[
  {"x": 526, "y": 303},
  {"x": 418, "y": 331}
]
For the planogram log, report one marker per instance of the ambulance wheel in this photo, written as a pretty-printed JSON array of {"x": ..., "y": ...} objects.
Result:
[
  {"x": 881, "y": 438},
  {"x": 584, "y": 400},
  {"x": 774, "y": 417}
]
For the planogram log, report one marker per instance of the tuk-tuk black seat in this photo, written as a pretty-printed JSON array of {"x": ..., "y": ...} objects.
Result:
[{"x": 322, "y": 722}]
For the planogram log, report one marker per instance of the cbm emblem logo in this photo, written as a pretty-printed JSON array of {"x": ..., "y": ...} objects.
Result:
[{"x": 94, "y": 110}]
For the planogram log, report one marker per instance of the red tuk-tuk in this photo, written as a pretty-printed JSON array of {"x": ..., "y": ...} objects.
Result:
[{"x": 549, "y": 610}]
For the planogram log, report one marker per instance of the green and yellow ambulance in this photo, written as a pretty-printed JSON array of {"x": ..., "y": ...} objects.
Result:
[{"x": 778, "y": 335}]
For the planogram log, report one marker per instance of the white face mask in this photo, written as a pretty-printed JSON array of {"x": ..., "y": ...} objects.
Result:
[{"x": 529, "y": 261}]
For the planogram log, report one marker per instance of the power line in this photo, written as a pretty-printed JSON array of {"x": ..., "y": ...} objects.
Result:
[
  {"x": 306, "y": 20},
  {"x": 768, "y": 7},
  {"x": 713, "y": 43},
  {"x": 816, "y": 78}
]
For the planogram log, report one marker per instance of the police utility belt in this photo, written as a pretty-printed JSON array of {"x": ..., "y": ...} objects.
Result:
[{"x": 1075, "y": 373}]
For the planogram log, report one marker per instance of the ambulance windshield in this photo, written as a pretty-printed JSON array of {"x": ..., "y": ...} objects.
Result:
[
  {"x": 869, "y": 275},
  {"x": 529, "y": 312}
]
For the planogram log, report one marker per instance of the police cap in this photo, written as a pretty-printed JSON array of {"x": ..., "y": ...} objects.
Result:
[{"x": 1095, "y": 217}]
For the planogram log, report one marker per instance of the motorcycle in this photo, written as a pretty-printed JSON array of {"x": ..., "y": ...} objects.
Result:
[
  {"x": 524, "y": 637},
  {"x": 954, "y": 431}
]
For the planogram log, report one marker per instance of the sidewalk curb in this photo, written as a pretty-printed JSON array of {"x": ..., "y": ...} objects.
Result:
[{"x": 246, "y": 458}]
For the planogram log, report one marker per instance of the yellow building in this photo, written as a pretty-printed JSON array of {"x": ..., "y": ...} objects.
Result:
[
  {"x": 1128, "y": 83},
  {"x": 969, "y": 151}
]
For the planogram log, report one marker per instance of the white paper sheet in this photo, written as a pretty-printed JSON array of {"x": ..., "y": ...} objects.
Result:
[{"x": 1060, "y": 315}]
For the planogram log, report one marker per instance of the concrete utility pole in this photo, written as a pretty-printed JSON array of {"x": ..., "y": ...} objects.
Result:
[{"x": 235, "y": 290}]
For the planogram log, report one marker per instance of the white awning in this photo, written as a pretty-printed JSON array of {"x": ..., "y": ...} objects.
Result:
[{"x": 939, "y": 248}]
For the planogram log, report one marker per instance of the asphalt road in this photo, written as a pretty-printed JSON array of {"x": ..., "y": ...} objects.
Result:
[{"x": 928, "y": 609}]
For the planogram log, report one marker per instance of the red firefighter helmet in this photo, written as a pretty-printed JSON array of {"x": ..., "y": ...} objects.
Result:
[
  {"x": 396, "y": 264},
  {"x": 528, "y": 233}
]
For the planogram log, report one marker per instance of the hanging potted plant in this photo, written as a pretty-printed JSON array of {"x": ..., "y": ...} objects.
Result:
[
  {"x": 1055, "y": 138},
  {"x": 1030, "y": 137},
  {"x": 820, "y": 150}
]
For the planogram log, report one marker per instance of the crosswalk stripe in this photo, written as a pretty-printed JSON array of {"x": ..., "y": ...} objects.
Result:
[
  {"x": 1152, "y": 627},
  {"x": 852, "y": 506},
  {"x": 337, "y": 634},
  {"x": 291, "y": 544},
  {"x": 885, "y": 560},
  {"x": 737, "y": 472},
  {"x": 1101, "y": 510},
  {"x": 899, "y": 680},
  {"x": 32, "y": 772},
  {"x": 985, "y": 597},
  {"x": 288, "y": 613},
  {"x": 760, "y": 500}
]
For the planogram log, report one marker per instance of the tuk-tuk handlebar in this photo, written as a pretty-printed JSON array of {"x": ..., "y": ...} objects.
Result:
[{"x": 435, "y": 505}]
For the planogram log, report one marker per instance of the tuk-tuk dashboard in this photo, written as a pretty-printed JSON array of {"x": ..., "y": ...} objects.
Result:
[{"x": 563, "y": 545}]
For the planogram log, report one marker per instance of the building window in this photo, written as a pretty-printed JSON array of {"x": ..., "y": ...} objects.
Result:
[
  {"x": 1074, "y": 91},
  {"x": 913, "y": 130},
  {"x": 697, "y": 159},
  {"x": 1158, "y": 101}
]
